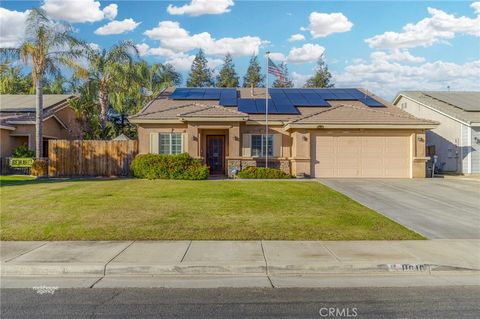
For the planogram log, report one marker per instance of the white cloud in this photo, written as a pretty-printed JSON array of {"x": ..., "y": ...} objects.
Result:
[
  {"x": 143, "y": 49},
  {"x": 387, "y": 78},
  {"x": 277, "y": 56},
  {"x": 12, "y": 27},
  {"x": 440, "y": 26},
  {"x": 183, "y": 62},
  {"x": 324, "y": 24},
  {"x": 110, "y": 11},
  {"x": 296, "y": 37},
  {"x": 78, "y": 11},
  {"x": 307, "y": 53},
  {"x": 476, "y": 7},
  {"x": 117, "y": 27},
  {"x": 396, "y": 55},
  {"x": 177, "y": 39},
  {"x": 299, "y": 79},
  {"x": 94, "y": 46},
  {"x": 200, "y": 7}
]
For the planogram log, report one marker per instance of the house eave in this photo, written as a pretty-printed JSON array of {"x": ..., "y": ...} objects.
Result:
[
  {"x": 7, "y": 127},
  {"x": 213, "y": 119},
  {"x": 359, "y": 126}
]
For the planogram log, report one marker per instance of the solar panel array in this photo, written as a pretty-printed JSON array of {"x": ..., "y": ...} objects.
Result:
[
  {"x": 282, "y": 101},
  {"x": 226, "y": 97}
]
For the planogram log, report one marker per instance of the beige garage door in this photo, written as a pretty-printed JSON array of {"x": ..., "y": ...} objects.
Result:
[{"x": 361, "y": 156}]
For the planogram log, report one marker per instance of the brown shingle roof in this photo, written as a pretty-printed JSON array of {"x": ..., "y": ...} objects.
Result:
[
  {"x": 351, "y": 114},
  {"x": 164, "y": 108}
]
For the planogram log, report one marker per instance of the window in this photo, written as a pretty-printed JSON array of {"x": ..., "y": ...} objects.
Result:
[
  {"x": 170, "y": 143},
  {"x": 259, "y": 145}
]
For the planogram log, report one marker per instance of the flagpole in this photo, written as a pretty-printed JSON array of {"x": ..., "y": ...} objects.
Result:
[{"x": 266, "y": 115}]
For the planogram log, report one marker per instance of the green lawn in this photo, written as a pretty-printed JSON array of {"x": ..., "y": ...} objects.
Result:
[{"x": 96, "y": 209}]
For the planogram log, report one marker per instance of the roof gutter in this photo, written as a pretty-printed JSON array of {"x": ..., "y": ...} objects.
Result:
[{"x": 355, "y": 126}]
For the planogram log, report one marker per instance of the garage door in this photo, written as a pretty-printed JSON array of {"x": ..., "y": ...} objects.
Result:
[{"x": 361, "y": 156}]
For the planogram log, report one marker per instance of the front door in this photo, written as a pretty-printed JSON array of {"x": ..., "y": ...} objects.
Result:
[{"x": 216, "y": 153}]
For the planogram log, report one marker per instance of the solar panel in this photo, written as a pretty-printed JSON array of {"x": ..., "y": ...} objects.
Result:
[
  {"x": 342, "y": 94},
  {"x": 286, "y": 108},
  {"x": 179, "y": 94},
  {"x": 261, "y": 106},
  {"x": 196, "y": 94},
  {"x": 312, "y": 98},
  {"x": 228, "y": 97},
  {"x": 325, "y": 94},
  {"x": 296, "y": 97},
  {"x": 372, "y": 102},
  {"x": 212, "y": 94},
  {"x": 247, "y": 105}
]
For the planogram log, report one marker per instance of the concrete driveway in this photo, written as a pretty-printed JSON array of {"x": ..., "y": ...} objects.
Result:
[{"x": 436, "y": 208}]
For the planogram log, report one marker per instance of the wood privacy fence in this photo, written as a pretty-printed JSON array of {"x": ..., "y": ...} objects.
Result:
[{"x": 90, "y": 158}]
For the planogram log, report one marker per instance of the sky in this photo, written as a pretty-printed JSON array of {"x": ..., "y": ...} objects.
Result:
[{"x": 383, "y": 46}]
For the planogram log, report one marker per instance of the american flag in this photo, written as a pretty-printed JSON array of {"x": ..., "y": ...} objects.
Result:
[{"x": 275, "y": 70}]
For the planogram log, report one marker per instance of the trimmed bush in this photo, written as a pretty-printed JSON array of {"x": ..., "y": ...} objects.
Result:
[
  {"x": 263, "y": 172},
  {"x": 160, "y": 166},
  {"x": 22, "y": 151},
  {"x": 39, "y": 168}
]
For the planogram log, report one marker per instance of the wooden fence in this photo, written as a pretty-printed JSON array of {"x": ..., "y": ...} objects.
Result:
[{"x": 90, "y": 158}]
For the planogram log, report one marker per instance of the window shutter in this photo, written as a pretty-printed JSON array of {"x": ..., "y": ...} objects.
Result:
[
  {"x": 184, "y": 143},
  {"x": 246, "y": 145},
  {"x": 154, "y": 143},
  {"x": 277, "y": 145}
]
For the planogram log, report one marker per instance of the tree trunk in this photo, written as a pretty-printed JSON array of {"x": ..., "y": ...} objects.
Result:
[
  {"x": 103, "y": 96},
  {"x": 39, "y": 119}
]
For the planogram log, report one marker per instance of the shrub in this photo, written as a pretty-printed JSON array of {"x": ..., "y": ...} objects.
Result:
[
  {"x": 39, "y": 168},
  {"x": 263, "y": 172},
  {"x": 160, "y": 166},
  {"x": 22, "y": 151}
]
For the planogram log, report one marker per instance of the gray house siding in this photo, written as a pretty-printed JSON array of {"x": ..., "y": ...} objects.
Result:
[{"x": 475, "y": 149}]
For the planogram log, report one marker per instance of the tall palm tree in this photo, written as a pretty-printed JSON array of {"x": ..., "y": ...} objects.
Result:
[
  {"x": 105, "y": 68},
  {"x": 47, "y": 46}
]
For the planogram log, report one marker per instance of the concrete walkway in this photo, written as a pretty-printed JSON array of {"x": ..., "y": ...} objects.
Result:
[
  {"x": 213, "y": 264},
  {"x": 118, "y": 258}
]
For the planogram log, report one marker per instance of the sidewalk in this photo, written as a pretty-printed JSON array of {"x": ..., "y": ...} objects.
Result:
[{"x": 266, "y": 260}]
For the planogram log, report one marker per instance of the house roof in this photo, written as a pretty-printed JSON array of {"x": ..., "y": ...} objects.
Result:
[
  {"x": 26, "y": 103},
  {"x": 464, "y": 106},
  {"x": 356, "y": 114},
  {"x": 20, "y": 109},
  {"x": 163, "y": 108}
]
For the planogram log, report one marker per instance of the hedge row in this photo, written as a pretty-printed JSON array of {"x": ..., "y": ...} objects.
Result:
[
  {"x": 262, "y": 173},
  {"x": 160, "y": 166}
]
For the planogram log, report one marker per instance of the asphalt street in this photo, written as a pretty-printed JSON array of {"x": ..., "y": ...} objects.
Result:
[{"x": 398, "y": 303}]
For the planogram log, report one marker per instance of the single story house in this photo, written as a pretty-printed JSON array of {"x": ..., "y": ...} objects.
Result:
[
  {"x": 311, "y": 132},
  {"x": 456, "y": 140},
  {"x": 17, "y": 121}
]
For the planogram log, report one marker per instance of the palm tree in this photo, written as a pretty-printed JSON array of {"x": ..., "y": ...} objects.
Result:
[
  {"x": 47, "y": 46},
  {"x": 105, "y": 68}
]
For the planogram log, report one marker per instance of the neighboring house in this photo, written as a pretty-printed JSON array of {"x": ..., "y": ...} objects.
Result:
[
  {"x": 17, "y": 121},
  {"x": 315, "y": 132},
  {"x": 456, "y": 141}
]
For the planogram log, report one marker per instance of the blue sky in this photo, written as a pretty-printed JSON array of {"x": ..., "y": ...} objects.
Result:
[{"x": 384, "y": 46}]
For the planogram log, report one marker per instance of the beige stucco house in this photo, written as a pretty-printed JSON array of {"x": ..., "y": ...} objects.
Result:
[
  {"x": 312, "y": 132},
  {"x": 456, "y": 140},
  {"x": 17, "y": 121}
]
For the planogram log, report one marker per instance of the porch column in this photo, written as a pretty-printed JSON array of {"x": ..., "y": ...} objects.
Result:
[
  {"x": 193, "y": 137},
  {"x": 234, "y": 141}
]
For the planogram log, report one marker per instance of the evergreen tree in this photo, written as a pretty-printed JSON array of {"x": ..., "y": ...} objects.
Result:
[
  {"x": 254, "y": 77},
  {"x": 322, "y": 77},
  {"x": 200, "y": 75},
  {"x": 227, "y": 77},
  {"x": 286, "y": 82}
]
